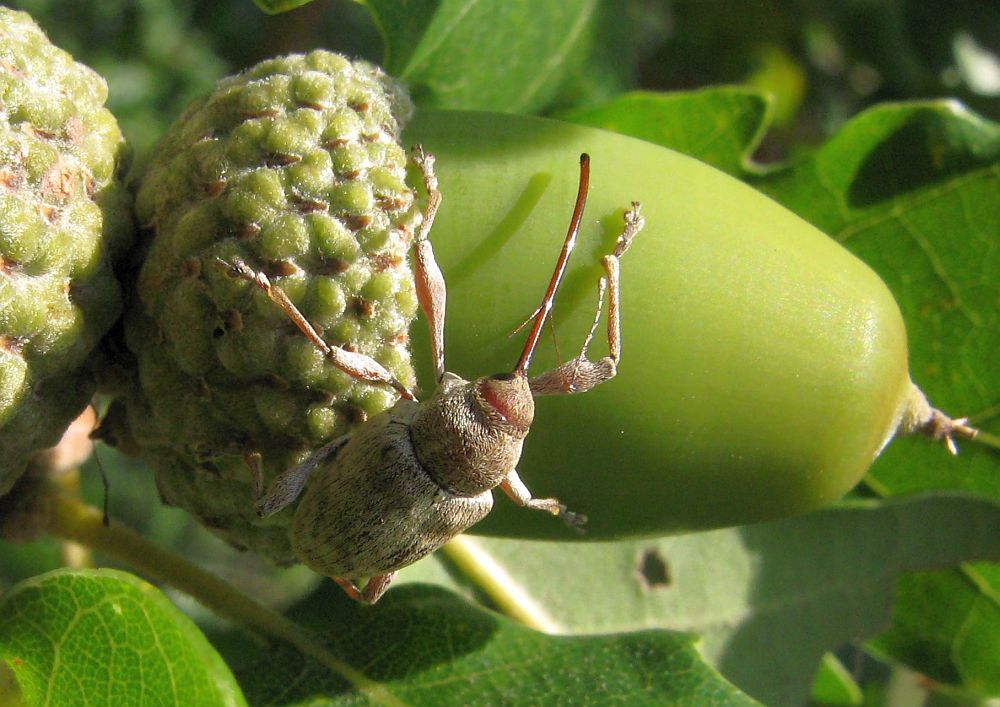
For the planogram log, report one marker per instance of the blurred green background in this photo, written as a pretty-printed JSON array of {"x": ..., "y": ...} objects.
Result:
[{"x": 824, "y": 60}]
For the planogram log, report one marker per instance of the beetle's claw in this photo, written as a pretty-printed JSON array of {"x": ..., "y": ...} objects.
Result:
[
  {"x": 634, "y": 222},
  {"x": 576, "y": 521},
  {"x": 423, "y": 159}
]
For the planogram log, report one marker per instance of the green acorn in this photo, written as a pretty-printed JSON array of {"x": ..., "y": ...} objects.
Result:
[
  {"x": 64, "y": 216},
  {"x": 295, "y": 167}
]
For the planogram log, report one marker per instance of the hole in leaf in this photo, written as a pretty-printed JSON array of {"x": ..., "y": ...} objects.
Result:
[{"x": 653, "y": 571}]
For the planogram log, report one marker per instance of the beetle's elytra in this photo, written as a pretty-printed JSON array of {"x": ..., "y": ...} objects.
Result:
[{"x": 416, "y": 475}]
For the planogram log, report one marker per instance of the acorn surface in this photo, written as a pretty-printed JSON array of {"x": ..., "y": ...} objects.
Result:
[
  {"x": 295, "y": 167},
  {"x": 763, "y": 365},
  {"x": 64, "y": 217}
]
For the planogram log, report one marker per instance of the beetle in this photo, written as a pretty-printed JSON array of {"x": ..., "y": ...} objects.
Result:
[{"x": 385, "y": 495}]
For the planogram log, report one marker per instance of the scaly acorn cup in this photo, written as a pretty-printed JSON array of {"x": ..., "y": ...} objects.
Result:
[
  {"x": 64, "y": 217},
  {"x": 296, "y": 168}
]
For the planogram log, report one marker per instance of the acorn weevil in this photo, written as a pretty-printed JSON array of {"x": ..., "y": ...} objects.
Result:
[{"x": 413, "y": 477}]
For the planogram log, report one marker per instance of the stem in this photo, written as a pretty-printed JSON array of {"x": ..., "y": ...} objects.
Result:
[
  {"x": 917, "y": 415},
  {"x": 509, "y": 597},
  {"x": 876, "y": 486},
  {"x": 988, "y": 439},
  {"x": 73, "y": 520},
  {"x": 10, "y": 691},
  {"x": 73, "y": 554}
]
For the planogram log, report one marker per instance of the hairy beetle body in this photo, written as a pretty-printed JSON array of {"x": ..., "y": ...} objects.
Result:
[{"x": 411, "y": 479}]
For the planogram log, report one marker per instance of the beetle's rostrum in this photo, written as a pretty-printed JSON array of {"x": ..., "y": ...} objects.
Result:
[{"x": 416, "y": 475}]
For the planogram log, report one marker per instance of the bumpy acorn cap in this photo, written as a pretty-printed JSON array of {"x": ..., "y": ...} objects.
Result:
[
  {"x": 64, "y": 216},
  {"x": 294, "y": 166}
]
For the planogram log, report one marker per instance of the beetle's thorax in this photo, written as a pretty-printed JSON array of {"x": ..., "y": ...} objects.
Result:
[{"x": 468, "y": 436}]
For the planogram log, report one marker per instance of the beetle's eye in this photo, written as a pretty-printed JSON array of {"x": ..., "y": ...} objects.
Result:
[
  {"x": 449, "y": 380},
  {"x": 502, "y": 376}
]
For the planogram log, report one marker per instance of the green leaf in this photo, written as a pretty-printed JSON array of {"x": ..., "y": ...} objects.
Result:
[
  {"x": 947, "y": 624},
  {"x": 425, "y": 646},
  {"x": 505, "y": 55},
  {"x": 110, "y": 638},
  {"x": 834, "y": 685},
  {"x": 768, "y": 600},
  {"x": 720, "y": 126},
  {"x": 273, "y": 7},
  {"x": 913, "y": 190}
]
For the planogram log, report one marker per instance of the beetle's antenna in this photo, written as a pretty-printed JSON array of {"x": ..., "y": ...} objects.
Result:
[{"x": 550, "y": 293}]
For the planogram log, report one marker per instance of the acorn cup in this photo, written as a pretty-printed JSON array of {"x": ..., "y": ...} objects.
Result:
[
  {"x": 294, "y": 167},
  {"x": 65, "y": 217}
]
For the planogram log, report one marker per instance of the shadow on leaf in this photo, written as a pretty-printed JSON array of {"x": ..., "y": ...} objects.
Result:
[
  {"x": 930, "y": 148},
  {"x": 413, "y": 628}
]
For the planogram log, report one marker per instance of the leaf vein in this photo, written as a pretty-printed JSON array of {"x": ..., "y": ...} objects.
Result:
[
  {"x": 556, "y": 58},
  {"x": 425, "y": 53}
]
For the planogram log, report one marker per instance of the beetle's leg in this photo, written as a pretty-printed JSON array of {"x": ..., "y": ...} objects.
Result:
[
  {"x": 372, "y": 592},
  {"x": 377, "y": 586},
  {"x": 354, "y": 364},
  {"x": 287, "y": 486},
  {"x": 581, "y": 374},
  {"x": 519, "y": 494},
  {"x": 350, "y": 588},
  {"x": 254, "y": 463},
  {"x": 431, "y": 290}
]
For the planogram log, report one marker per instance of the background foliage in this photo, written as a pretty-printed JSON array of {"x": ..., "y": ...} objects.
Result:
[{"x": 831, "y": 110}]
